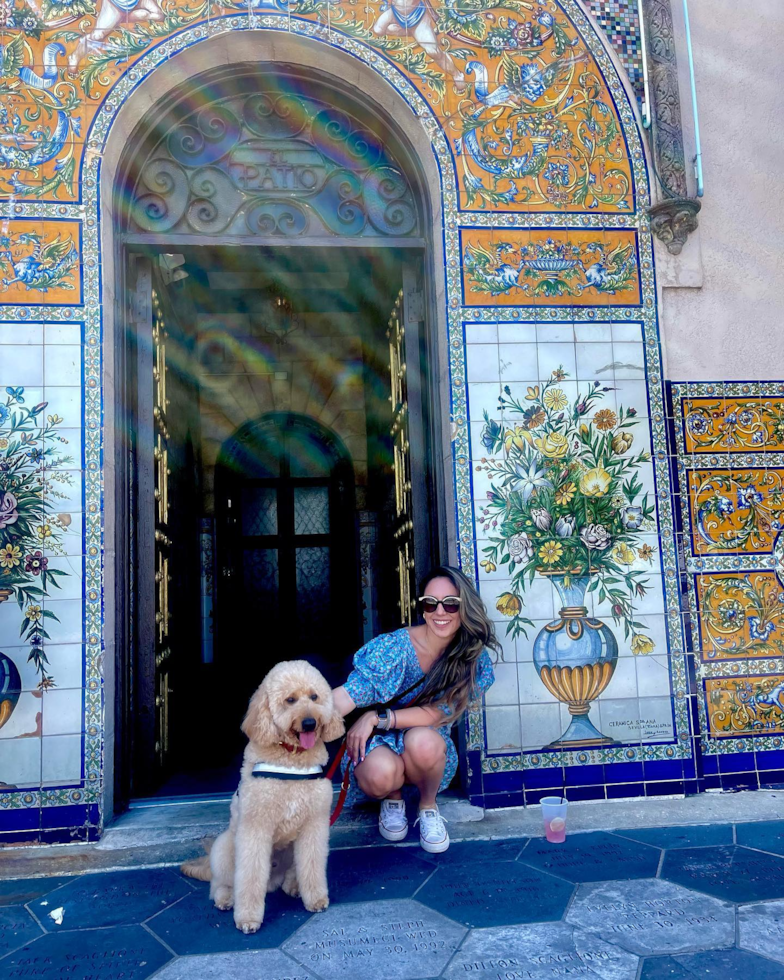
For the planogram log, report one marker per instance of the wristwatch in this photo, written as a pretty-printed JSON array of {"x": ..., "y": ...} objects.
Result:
[{"x": 383, "y": 720}]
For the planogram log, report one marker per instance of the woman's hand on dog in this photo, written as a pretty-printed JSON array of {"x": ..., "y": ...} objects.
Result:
[{"x": 358, "y": 735}]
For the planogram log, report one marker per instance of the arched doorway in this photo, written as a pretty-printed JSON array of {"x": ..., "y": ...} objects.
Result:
[
  {"x": 287, "y": 546},
  {"x": 276, "y": 263}
]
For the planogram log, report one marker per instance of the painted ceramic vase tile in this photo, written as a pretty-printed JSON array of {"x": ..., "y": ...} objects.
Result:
[
  {"x": 733, "y": 425},
  {"x": 40, "y": 262},
  {"x": 741, "y": 615},
  {"x": 751, "y": 705},
  {"x": 34, "y": 472},
  {"x": 550, "y": 268},
  {"x": 736, "y": 511},
  {"x": 567, "y": 506}
]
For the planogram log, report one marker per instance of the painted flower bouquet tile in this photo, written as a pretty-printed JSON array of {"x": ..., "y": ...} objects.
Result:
[
  {"x": 31, "y": 464},
  {"x": 567, "y": 504}
]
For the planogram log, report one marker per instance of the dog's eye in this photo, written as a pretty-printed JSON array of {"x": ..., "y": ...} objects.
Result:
[
  {"x": 291, "y": 700},
  {"x": 314, "y": 697}
]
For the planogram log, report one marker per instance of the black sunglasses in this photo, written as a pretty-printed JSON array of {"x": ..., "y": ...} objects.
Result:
[{"x": 450, "y": 604}]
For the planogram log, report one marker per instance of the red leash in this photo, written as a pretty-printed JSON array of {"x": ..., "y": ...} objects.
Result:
[{"x": 343, "y": 786}]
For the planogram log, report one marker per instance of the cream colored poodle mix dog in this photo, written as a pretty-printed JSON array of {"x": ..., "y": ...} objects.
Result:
[{"x": 279, "y": 826}]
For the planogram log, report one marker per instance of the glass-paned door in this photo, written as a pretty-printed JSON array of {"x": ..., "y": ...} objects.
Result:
[{"x": 287, "y": 552}]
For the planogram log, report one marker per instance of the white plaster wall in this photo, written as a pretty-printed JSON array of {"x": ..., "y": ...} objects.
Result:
[{"x": 729, "y": 328}]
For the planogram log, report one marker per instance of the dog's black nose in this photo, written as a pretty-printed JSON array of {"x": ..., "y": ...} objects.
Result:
[{"x": 308, "y": 724}]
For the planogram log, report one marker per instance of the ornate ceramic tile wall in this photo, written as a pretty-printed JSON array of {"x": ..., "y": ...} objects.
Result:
[
  {"x": 550, "y": 306},
  {"x": 729, "y": 438}
]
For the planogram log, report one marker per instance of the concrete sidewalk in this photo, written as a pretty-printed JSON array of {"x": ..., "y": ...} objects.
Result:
[{"x": 675, "y": 902}]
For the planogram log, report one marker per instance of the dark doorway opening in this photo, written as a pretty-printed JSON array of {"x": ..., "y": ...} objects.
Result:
[{"x": 293, "y": 471}]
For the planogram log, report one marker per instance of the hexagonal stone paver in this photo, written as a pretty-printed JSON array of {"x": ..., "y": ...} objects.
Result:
[
  {"x": 664, "y": 837},
  {"x": 476, "y": 852},
  {"x": 264, "y": 964},
  {"x": 111, "y": 899},
  {"x": 727, "y": 964},
  {"x": 765, "y": 836},
  {"x": 496, "y": 894},
  {"x": 129, "y": 952},
  {"x": 17, "y": 927},
  {"x": 734, "y": 874},
  {"x": 648, "y": 916},
  {"x": 593, "y": 857},
  {"x": 20, "y": 891},
  {"x": 540, "y": 952},
  {"x": 194, "y": 925},
  {"x": 397, "y": 940},
  {"x": 761, "y": 929},
  {"x": 377, "y": 872}
]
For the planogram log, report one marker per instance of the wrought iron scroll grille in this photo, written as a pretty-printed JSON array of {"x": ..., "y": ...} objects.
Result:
[{"x": 270, "y": 164}]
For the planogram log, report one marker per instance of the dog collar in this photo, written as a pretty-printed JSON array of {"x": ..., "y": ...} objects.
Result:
[
  {"x": 296, "y": 749},
  {"x": 267, "y": 770}
]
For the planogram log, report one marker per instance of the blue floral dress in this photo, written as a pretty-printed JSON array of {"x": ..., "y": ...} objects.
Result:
[{"x": 384, "y": 669}]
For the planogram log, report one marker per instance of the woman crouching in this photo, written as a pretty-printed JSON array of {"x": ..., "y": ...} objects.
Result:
[{"x": 426, "y": 675}]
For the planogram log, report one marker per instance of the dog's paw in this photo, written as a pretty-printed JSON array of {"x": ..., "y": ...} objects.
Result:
[
  {"x": 320, "y": 904},
  {"x": 248, "y": 926},
  {"x": 224, "y": 899},
  {"x": 291, "y": 887}
]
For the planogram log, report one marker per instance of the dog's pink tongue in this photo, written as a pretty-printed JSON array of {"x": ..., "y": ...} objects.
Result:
[{"x": 307, "y": 739}]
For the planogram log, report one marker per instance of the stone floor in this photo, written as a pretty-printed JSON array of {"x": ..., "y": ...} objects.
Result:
[{"x": 647, "y": 904}]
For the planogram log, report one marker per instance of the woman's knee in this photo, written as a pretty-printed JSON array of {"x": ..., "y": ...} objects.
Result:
[
  {"x": 424, "y": 747},
  {"x": 378, "y": 777}
]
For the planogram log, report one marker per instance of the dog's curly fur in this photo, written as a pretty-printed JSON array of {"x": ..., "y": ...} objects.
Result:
[{"x": 278, "y": 833}]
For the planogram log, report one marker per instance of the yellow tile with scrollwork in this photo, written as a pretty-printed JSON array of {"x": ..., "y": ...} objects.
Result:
[
  {"x": 736, "y": 511},
  {"x": 523, "y": 104},
  {"x": 735, "y": 424},
  {"x": 40, "y": 262},
  {"x": 745, "y": 705},
  {"x": 741, "y": 615},
  {"x": 545, "y": 268}
]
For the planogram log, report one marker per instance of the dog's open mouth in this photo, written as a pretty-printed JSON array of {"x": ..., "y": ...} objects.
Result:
[{"x": 306, "y": 739}]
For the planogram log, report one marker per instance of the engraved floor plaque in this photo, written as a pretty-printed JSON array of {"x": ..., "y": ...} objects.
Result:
[
  {"x": 735, "y": 874},
  {"x": 118, "y": 953},
  {"x": 761, "y": 929},
  {"x": 393, "y": 940},
  {"x": 265, "y": 964},
  {"x": 647, "y": 916},
  {"x": 545, "y": 951}
]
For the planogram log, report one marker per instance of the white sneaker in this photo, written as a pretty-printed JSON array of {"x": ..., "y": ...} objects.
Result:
[
  {"x": 433, "y": 834},
  {"x": 392, "y": 820}
]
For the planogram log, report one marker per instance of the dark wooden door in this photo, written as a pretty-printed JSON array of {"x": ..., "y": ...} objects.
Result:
[
  {"x": 287, "y": 553},
  {"x": 163, "y": 535}
]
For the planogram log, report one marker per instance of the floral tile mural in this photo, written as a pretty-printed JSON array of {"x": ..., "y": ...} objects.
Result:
[
  {"x": 550, "y": 290},
  {"x": 728, "y": 436}
]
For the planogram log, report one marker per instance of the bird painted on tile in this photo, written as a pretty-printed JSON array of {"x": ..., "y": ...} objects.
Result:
[
  {"x": 489, "y": 272},
  {"x": 522, "y": 84},
  {"x": 45, "y": 267},
  {"x": 613, "y": 271}
]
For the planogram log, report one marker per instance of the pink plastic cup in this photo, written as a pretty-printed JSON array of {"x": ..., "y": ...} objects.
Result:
[{"x": 554, "y": 815}]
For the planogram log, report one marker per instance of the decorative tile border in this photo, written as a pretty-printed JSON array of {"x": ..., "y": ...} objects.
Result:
[{"x": 733, "y": 547}]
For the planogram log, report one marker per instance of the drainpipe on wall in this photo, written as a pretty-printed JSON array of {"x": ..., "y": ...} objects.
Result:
[{"x": 675, "y": 216}]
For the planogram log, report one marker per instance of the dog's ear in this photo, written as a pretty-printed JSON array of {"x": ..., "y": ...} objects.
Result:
[
  {"x": 334, "y": 727},
  {"x": 257, "y": 724}
]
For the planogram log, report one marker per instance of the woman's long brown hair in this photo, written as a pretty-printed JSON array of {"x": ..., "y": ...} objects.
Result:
[{"x": 452, "y": 677}]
